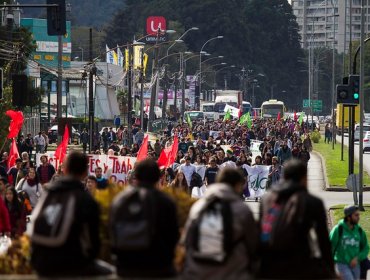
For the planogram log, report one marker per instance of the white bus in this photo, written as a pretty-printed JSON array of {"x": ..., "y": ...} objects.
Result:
[
  {"x": 272, "y": 108},
  {"x": 246, "y": 107},
  {"x": 208, "y": 109}
]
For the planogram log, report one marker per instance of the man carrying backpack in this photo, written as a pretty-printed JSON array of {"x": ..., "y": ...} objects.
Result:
[
  {"x": 294, "y": 241},
  {"x": 65, "y": 226},
  {"x": 220, "y": 236},
  {"x": 349, "y": 244},
  {"x": 144, "y": 228}
]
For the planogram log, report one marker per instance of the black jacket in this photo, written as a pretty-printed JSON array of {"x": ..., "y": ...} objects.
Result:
[
  {"x": 289, "y": 253},
  {"x": 83, "y": 243},
  {"x": 157, "y": 261}
]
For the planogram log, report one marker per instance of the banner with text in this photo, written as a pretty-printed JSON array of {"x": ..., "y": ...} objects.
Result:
[
  {"x": 257, "y": 179},
  {"x": 115, "y": 168}
]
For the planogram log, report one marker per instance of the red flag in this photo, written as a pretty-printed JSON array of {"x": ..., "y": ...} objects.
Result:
[
  {"x": 255, "y": 114},
  {"x": 143, "y": 151},
  {"x": 163, "y": 157},
  {"x": 15, "y": 123},
  {"x": 172, "y": 155},
  {"x": 240, "y": 113},
  {"x": 295, "y": 116},
  {"x": 278, "y": 116},
  {"x": 13, "y": 154},
  {"x": 61, "y": 150}
]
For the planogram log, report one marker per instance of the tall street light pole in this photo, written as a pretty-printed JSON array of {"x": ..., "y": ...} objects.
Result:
[{"x": 200, "y": 61}]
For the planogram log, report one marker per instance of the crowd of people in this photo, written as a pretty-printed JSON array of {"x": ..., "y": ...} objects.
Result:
[{"x": 221, "y": 238}]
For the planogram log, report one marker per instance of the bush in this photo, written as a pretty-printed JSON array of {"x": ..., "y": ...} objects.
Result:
[{"x": 315, "y": 136}]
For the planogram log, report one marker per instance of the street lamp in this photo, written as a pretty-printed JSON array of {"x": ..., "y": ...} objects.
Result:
[
  {"x": 182, "y": 36},
  {"x": 217, "y": 57},
  {"x": 200, "y": 60}
]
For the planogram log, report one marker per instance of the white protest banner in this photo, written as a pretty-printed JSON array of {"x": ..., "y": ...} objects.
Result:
[
  {"x": 214, "y": 134},
  {"x": 233, "y": 110},
  {"x": 115, "y": 168},
  {"x": 255, "y": 149},
  {"x": 257, "y": 179}
]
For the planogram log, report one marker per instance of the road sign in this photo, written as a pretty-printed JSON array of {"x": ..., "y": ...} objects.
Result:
[{"x": 315, "y": 104}]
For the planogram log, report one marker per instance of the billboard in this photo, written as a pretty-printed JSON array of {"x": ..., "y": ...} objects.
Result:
[{"x": 153, "y": 24}]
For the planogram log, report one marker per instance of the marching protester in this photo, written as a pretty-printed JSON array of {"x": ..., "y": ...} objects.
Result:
[
  {"x": 45, "y": 171},
  {"x": 294, "y": 235},
  {"x": 17, "y": 212},
  {"x": 31, "y": 186},
  {"x": 227, "y": 250},
  {"x": 70, "y": 244},
  {"x": 144, "y": 227},
  {"x": 349, "y": 245}
]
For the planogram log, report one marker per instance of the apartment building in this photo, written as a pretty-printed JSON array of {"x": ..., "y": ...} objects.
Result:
[{"x": 327, "y": 22}]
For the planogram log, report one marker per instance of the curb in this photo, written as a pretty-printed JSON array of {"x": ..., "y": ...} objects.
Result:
[
  {"x": 326, "y": 184},
  {"x": 327, "y": 187}
]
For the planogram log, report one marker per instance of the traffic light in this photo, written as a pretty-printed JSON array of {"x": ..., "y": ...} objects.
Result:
[
  {"x": 343, "y": 94},
  {"x": 354, "y": 86},
  {"x": 1, "y": 83},
  {"x": 56, "y": 17}
]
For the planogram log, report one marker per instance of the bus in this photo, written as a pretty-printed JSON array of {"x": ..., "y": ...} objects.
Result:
[
  {"x": 208, "y": 109},
  {"x": 272, "y": 108}
]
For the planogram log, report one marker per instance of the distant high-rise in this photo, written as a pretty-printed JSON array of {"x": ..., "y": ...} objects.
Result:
[{"x": 322, "y": 22}]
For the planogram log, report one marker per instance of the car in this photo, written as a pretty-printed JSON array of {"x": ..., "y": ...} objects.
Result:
[
  {"x": 366, "y": 143},
  {"x": 53, "y": 135},
  {"x": 357, "y": 130}
]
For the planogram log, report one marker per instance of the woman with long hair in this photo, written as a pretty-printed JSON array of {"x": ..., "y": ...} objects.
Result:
[
  {"x": 17, "y": 212},
  {"x": 31, "y": 186},
  {"x": 179, "y": 183}
]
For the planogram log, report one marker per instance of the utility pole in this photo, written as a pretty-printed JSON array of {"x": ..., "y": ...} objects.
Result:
[
  {"x": 165, "y": 93},
  {"x": 129, "y": 93},
  {"x": 183, "y": 81},
  {"x": 333, "y": 81},
  {"x": 60, "y": 81},
  {"x": 91, "y": 94},
  {"x": 361, "y": 106},
  {"x": 142, "y": 89},
  {"x": 175, "y": 97},
  {"x": 154, "y": 87}
]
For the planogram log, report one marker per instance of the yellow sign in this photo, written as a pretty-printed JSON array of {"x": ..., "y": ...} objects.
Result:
[
  {"x": 49, "y": 57},
  {"x": 66, "y": 58},
  {"x": 137, "y": 56},
  {"x": 37, "y": 57}
]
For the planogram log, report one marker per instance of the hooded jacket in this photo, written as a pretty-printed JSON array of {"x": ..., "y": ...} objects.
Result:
[
  {"x": 351, "y": 243},
  {"x": 237, "y": 264}
]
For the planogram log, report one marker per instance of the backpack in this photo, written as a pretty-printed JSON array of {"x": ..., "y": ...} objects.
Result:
[
  {"x": 53, "y": 217},
  {"x": 133, "y": 220},
  {"x": 196, "y": 180},
  {"x": 212, "y": 232}
]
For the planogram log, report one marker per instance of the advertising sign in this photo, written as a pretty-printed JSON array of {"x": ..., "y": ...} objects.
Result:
[{"x": 153, "y": 24}]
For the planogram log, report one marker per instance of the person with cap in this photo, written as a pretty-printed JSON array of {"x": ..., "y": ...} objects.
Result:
[
  {"x": 230, "y": 156},
  {"x": 349, "y": 244},
  {"x": 45, "y": 171}
]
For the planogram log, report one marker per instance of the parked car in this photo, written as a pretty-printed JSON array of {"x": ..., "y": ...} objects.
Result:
[{"x": 53, "y": 135}]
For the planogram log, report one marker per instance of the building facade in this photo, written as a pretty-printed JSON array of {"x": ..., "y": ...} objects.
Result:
[{"x": 324, "y": 23}]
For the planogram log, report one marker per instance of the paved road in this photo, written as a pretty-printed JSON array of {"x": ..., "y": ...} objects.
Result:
[
  {"x": 315, "y": 186},
  {"x": 366, "y": 155}
]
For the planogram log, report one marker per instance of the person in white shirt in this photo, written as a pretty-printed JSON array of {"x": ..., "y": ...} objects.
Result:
[
  {"x": 40, "y": 143},
  {"x": 188, "y": 169}
]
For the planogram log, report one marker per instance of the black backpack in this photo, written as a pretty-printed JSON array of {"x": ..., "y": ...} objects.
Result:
[
  {"x": 212, "y": 232},
  {"x": 53, "y": 217},
  {"x": 133, "y": 216}
]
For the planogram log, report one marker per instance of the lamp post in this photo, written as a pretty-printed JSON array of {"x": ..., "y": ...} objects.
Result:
[{"x": 200, "y": 60}]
